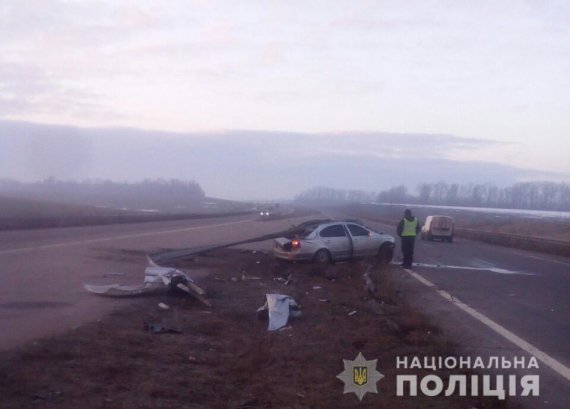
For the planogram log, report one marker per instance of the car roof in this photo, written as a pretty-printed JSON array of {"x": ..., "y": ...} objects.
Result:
[{"x": 340, "y": 222}]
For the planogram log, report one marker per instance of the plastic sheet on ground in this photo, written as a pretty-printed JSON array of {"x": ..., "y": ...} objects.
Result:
[
  {"x": 156, "y": 279},
  {"x": 279, "y": 308}
]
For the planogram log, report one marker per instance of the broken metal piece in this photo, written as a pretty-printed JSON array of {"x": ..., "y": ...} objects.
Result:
[
  {"x": 199, "y": 295},
  {"x": 246, "y": 277},
  {"x": 156, "y": 279},
  {"x": 154, "y": 328}
]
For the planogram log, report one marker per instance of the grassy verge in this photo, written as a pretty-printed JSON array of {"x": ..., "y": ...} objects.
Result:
[
  {"x": 18, "y": 214},
  {"x": 225, "y": 358}
]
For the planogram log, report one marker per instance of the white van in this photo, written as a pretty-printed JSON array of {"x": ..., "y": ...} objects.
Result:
[{"x": 438, "y": 227}]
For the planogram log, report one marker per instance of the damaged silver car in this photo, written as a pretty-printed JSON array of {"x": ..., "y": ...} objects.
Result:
[{"x": 334, "y": 241}]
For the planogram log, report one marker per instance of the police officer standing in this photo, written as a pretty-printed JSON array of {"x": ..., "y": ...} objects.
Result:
[{"x": 408, "y": 229}]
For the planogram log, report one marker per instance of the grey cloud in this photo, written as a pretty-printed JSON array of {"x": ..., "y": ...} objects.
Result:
[
  {"x": 23, "y": 79},
  {"x": 240, "y": 164},
  {"x": 27, "y": 88},
  {"x": 385, "y": 144},
  {"x": 82, "y": 23}
]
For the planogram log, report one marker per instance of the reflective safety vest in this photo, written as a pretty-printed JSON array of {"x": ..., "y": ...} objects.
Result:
[{"x": 410, "y": 227}]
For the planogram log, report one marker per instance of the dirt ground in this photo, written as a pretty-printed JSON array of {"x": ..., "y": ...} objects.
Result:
[{"x": 224, "y": 356}]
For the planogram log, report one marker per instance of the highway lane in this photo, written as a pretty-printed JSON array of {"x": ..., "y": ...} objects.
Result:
[
  {"x": 42, "y": 272},
  {"x": 533, "y": 301},
  {"x": 524, "y": 292}
]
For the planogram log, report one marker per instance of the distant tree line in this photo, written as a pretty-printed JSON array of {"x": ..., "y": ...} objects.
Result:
[
  {"x": 158, "y": 194},
  {"x": 523, "y": 195},
  {"x": 330, "y": 195}
]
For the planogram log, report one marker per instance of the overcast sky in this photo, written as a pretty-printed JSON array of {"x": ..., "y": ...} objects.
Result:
[{"x": 494, "y": 72}]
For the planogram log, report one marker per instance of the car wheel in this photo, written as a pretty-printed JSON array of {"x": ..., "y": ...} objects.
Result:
[
  {"x": 450, "y": 239},
  {"x": 322, "y": 257},
  {"x": 429, "y": 237},
  {"x": 385, "y": 254}
]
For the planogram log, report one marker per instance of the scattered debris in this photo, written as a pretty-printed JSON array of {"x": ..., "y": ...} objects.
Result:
[
  {"x": 324, "y": 300},
  {"x": 368, "y": 283},
  {"x": 285, "y": 281},
  {"x": 194, "y": 290},
  {"x": 154, "y": 328},
  {"x": 317, "y": 287},
  {"x": 351, "y": 313},
  {"x": 156, "y": 279},
  {"x": 246, "y": 277},
  {"x": 278, "y": 308},
  {"x": 163, "y": 306}
]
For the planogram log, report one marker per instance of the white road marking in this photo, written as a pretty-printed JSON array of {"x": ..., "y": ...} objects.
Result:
[
  {"x": 491, "y": 269},
  {"x": 514, "y": 251},
  {"x": 548, "y": 260},
  {"x": 112, "y": 238},
  {"x": 521, "y": 343}
]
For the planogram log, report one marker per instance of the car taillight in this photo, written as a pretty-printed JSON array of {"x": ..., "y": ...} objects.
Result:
[{"x": 296, "y": 244}]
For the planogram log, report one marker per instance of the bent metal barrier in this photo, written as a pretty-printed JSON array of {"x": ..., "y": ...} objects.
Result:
[{"x": 540, "y": 244}]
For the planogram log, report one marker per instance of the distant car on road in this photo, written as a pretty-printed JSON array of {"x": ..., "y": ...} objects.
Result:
[
  {"x": 334, "y": 241},
  {"x": 270, "y": 212},
  {"x": 438, "y": 227}
]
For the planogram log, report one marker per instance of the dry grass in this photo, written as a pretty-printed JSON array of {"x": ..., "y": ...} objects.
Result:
[{"x": 225, "y": 358}]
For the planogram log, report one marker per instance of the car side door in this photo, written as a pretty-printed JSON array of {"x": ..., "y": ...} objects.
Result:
[
  {"x": 336, "y": 240},
  {"x": 362, "y": 241}
]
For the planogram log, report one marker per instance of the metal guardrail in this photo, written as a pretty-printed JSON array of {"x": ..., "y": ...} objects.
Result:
[{"x": 540, "y": 244}]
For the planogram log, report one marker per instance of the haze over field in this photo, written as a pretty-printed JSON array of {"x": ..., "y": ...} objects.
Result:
[
  {"x": 248, "y": 164},
  {"x": 260, "y": 100}
]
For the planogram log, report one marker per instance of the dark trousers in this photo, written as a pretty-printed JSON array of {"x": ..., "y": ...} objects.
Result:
[{"x": 408, "y": 249}]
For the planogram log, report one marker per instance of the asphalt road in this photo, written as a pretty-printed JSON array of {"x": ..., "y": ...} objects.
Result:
[
  {"x": 42, "y": 272},
  {"x": 522, "y": 292}
]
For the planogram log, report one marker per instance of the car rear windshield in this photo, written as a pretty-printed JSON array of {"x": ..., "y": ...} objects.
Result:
[
  {"x": 303, "y": 232},
  {"x": 442, "y": 222}
]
